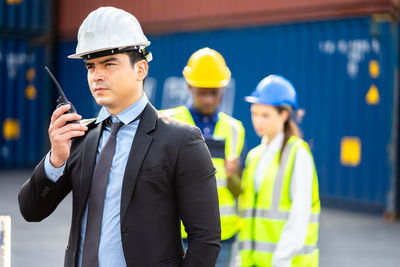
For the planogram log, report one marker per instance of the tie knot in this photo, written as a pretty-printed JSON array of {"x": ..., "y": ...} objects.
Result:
[{"x": 114, "y": 126}]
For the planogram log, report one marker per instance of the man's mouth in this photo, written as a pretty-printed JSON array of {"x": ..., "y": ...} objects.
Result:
[{"x": 100, "y": 89}]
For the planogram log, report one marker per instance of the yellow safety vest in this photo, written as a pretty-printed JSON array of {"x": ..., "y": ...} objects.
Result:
[
  {"x": 232, "y": 131},
  {"x": 264, "y": 214}
]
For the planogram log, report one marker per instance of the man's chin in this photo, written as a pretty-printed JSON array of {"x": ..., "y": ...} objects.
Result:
[
  {"x": 102, "y": 102},
  {"x": 208, "y": 112}
]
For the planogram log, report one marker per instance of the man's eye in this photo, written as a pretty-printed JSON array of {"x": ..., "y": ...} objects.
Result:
[
  {"x": 110, "y": 64},
  {"x": 89, "y": 67}
]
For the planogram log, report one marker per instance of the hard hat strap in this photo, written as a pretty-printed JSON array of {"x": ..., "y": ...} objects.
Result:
[{"x": 115, "y": 51}]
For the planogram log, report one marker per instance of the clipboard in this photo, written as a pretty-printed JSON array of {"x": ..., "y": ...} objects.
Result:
[{"x": 216, "y": 147}]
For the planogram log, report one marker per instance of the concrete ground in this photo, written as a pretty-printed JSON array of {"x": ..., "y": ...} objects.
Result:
[{"x": 346, "y": 238}]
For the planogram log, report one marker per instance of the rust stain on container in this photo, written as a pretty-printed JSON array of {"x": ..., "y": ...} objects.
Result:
[{"x": 160, "y": 16}]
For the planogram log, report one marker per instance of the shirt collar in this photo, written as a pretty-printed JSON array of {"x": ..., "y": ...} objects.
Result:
[
  {"x": 128, "y": 114},
  {"x": 275, "y": 144},
  {"x": 213, "y": 118}
]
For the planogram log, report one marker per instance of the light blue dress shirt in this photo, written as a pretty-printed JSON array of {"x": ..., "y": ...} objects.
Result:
[{"x": 110, "y": 248}]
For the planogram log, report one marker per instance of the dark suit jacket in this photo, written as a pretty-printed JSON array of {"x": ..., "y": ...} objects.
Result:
[{"x": 169, "y": 176}]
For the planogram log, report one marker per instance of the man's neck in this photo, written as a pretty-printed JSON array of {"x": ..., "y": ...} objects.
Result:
[{"x": 115, "y": 110}]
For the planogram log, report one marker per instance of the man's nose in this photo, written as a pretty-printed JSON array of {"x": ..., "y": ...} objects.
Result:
[
  {"x": 98, "y": 75},
  {"x": 209, "y": 98}
]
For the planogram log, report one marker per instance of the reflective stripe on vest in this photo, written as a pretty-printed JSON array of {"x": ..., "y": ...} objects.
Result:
[
  {"x": 221, "y": 182},
  {"x": 257, "y": 245},
  {"x": 236, "y": 140},
  {"x": 270, "y": 247},
  {"x": 272, "y": 214},
  {"x": 233, "y": 133},
  {"x": 227, "y": 210}
]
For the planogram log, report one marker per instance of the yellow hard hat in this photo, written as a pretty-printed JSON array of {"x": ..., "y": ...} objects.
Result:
[{"x": 206, "y": 68}]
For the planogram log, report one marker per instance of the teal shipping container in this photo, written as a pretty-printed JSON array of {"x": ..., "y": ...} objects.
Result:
[{"x": 346, "y": 75}]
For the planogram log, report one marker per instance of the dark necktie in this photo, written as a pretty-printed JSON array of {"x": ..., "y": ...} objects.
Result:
[{"x": 96, "y": 201}]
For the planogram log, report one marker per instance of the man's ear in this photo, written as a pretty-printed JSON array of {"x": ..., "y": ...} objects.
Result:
[{"x": 142, "y": 68}]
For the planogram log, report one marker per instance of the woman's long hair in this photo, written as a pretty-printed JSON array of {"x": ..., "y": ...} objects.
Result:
[{"x": 289, "y": 129}]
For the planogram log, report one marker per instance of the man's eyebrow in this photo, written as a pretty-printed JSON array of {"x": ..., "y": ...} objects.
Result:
[{"x": 109, "y": 60}]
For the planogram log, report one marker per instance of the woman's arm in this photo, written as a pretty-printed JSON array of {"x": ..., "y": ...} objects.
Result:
[{"x": 295, "y": 230}]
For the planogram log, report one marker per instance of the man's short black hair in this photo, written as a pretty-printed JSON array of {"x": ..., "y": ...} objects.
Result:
[{"x": 136, "y": 56}]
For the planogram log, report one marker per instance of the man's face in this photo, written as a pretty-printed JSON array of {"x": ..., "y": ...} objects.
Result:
[
  {"x": 206, "y": 100},
  {"x": 114, "y": 83}
]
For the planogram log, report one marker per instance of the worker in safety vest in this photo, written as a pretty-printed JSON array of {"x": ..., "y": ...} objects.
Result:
[
  {"x": 207, "y": 76},
  {"x": 279, "y": 203}
]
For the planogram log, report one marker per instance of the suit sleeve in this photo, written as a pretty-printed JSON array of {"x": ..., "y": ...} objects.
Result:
[
  {"x": 39, "y": 196},
  {"x": 198, "y": 200}
]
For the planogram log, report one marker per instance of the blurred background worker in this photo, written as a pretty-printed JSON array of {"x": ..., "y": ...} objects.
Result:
[
  {"x": 207, "y": 76},
  {"x": 280, "y": 200}
]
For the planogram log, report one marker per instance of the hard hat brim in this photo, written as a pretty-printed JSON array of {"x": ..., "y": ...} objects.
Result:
[
  {"x": 81, "y": 55},
  {"x": 256, "y": 100},
  {"x": 252, "y": 99},
  {"x": 206, "y": 84}
]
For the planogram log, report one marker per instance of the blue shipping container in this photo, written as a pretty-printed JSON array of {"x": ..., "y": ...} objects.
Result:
[
  {"x": 24, "y": 103},
  {"x": 28, "y": 17},
  {"x": 344, "y": 72}
]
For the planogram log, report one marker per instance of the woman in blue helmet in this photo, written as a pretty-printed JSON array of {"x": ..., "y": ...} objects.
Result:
[{"x": 279, "y": 203}]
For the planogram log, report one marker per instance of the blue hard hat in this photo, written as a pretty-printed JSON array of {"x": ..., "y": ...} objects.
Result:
[{"x": 274, "y": 90}]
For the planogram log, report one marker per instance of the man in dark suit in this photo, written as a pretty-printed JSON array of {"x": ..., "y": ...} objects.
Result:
[{"x": 134, "y": 173}]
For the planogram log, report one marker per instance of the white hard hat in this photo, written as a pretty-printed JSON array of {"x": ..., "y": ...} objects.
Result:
[{"x": 109, "y": 30}]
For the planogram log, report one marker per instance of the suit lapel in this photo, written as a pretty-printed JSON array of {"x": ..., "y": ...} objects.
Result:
[
  {"x": 140, "y": 146},
  {"x": 88, "y": 163}
]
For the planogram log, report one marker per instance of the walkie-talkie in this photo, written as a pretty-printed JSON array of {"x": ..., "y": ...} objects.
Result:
[{"x": 62, "y": 100}]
